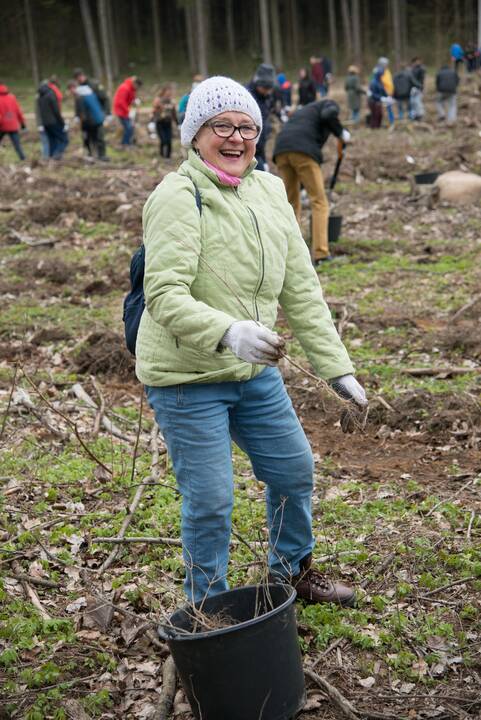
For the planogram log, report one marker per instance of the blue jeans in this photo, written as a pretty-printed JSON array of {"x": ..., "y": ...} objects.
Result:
[
  {"x": 198, "y": 422},
  {"x": 390, "y": 114},
  {"x": 45, "y": 144},
  {"x": 128, "y": 127},
  {"x": 355, "y": 115},
  {"x": 57, "y": 138},
  {"x": 402, "y": 107},
  {"x": 15, "y": 140}
]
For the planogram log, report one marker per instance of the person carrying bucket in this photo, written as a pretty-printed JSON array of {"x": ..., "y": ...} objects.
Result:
[
  {"x": 222, "y": 250},
  {"x": 297, "y": 154}
]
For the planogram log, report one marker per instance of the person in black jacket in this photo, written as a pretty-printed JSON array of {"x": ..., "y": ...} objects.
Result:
[
  {"x": 447, "y": 81},
  {"x": 307, "y": 88},
  {"x": 416, "y": 105},
  {"x": 297, "y": 154},
  {"x": 262, "y": 90},
  {"x": 403, "y": 84},
  {"x": 50, "y": 117}
]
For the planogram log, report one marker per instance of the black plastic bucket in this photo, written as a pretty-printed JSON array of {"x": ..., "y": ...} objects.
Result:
[
  {"x": 426, "y": 178},
  {"x": 334, "y": 228},
  {"x": 251, "y": 670}
]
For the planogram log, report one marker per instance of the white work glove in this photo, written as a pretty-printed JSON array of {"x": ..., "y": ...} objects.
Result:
[
  {"x": 253, "y": 343},
  {"x": 347, "y": 387},
  {"x": 137, "y": 101},
  {"x": 151, "y": 127},
  {"x": 346, "y": 136},
  {"x": 40, "y": 128},
  {"x": 66, "y": 127}
]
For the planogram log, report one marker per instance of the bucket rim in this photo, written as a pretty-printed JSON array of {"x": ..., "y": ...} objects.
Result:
[{"x": 189, "y": 637}]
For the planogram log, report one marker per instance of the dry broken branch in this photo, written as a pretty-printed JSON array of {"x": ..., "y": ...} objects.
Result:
[{"x": 337, "y": 699}]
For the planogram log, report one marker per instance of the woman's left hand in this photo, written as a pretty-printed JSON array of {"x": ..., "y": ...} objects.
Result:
[{"x": 347, "y": 387}]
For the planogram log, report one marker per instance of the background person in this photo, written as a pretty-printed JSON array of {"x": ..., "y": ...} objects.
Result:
[
  {"x": 50, "y": 118},
  {"x": 91, "y": 116},
  {"x": 298, "y": 156},
  {"x": 196, "y": 80},
  {"x": 416, "y": 100},
  {"x": 403, "y": 85},
  {"x": 164, "y": 115},
  {"x": 447, "y": 81},
  {"x": 376, "y": 94},
  {"x": 354, "y": 91},
  {"x": 209, "y": 368},
  {"x": 457, "y": 56},
  {"x": 388, "y": 85},
  {"x": 306, "y": 88},
  {"x": 124, "y": 98},
  {"x": 262, "y": 90},
  {"x": 11, "y": 120}
]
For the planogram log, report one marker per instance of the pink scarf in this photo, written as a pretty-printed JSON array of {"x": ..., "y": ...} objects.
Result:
[{"x": 224, "y": 177}]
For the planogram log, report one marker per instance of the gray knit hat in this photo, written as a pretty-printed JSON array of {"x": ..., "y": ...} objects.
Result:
[{"x": 212, "y": 97}]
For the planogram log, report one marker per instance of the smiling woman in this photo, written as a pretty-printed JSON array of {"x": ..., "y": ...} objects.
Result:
[{"x": 215, "y": 271}]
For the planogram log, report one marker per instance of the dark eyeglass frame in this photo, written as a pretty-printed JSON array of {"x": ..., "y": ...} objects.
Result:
[{"x": 213, "y": 123}]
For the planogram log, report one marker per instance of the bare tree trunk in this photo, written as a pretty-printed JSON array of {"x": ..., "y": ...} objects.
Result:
[
  {"x": 189, "y": 31},
  {"x": 437, "y": 33},
  {"x": 276, "y": 33},
  {"x": 468, "y": 21},
  {"x": 367, "y": 34},
  {"x": 230, "y": 27},
  {"x": 265, "y": 32},
  {"x": 396, "y": 26},
  {"x": 113, "y": 41},
  {"x": 346, "y": 24},
  {"x": 134, "y": 4},
  {"x": 457, "y": 20},
  {"x": 32, "y": 47},
  {"x": 104, "y": 31},
  {"x": 333, "y": 34},
  {"x": 356, "y": 32},
  {"x": 156, "y": 28},
  {"x": 479, "y": 24},
  {"x": 404, "y": 31},
  {"x": 295, "y": 29},
  {"x": 91, "y": 38},
  {"x": 200, "y": 13}
]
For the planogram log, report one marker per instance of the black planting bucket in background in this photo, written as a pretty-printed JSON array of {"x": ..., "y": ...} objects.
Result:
[
  {"x": 249, "y": 670},
  {"x": 334, "y": 228},
  {"x": 426, "y": 178}
]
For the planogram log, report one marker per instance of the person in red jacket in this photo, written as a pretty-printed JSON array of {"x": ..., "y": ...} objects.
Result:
[
  {"x": 11, "y": 119},
  {"x": 124, "y": 98}
]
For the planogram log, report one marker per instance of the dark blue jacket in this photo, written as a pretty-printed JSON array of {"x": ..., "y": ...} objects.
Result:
[{"x": 376, "y": 87}]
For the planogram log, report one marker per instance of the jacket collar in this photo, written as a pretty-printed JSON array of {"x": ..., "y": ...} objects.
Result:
[{"x": 196, "y": 162}]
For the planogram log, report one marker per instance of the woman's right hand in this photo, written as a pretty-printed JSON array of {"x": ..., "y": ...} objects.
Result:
[{"x": 253, "y": 342}]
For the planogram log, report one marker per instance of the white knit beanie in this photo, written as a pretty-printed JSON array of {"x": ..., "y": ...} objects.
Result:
[{"x": 212, "y": 97}]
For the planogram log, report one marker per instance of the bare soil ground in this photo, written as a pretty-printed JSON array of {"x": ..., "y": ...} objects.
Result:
[{"x": 397, "y": 507}]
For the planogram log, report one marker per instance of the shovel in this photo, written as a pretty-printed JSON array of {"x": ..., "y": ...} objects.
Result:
[{"x": 335, "y": 221}]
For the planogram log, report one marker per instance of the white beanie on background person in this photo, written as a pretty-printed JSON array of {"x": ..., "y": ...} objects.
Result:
[{"x": 213, "y": 97}]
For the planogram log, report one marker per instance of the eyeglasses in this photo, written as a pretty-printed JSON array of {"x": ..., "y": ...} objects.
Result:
[{"x": 227, "y": 129}]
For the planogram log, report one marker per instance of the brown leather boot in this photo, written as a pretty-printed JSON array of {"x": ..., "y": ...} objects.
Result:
[{"x": 313, "y": 587}]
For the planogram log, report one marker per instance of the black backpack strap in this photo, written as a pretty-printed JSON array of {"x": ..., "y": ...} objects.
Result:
[{"x": 198, "y": 199}]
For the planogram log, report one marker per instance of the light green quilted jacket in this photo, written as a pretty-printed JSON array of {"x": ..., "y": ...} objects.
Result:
[{"x": 237, "y": 260}]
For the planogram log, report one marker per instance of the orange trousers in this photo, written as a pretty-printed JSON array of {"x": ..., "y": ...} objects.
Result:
[{"x": 296, "y": 168}]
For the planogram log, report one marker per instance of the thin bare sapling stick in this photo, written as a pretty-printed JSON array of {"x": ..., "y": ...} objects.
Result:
[
  {"x": 69, "y": 422},
  {"x": 138, "y": 495}
]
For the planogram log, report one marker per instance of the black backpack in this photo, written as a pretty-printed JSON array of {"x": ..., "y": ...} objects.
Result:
[
  {"x": 134, "y": 302},
  {"x": 402, "y": 85}
]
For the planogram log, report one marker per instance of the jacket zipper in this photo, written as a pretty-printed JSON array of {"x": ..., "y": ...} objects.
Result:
[{"x": 261, "y": 247}]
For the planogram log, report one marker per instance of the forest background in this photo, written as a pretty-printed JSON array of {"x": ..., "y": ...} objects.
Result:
[{"x": 176, "y": 38}]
